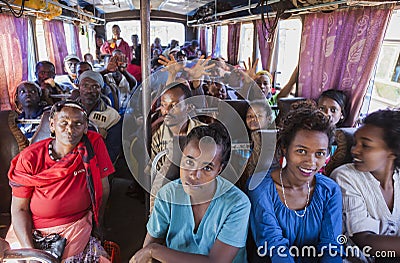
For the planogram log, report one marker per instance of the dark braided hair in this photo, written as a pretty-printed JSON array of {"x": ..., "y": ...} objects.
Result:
[
  {"x": 304, "y": 115},
  {"x": 389, "y": 121}
]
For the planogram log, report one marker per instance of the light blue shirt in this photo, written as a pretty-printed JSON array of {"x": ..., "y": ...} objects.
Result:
[{"x": 226, "y": 219}]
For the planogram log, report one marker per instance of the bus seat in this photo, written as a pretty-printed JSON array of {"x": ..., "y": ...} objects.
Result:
[
  {"x": 284, "y": 105},
  {"x": 235, "y": 124},
  {"x": 342, "y": 155},
  {"x": 12, "y": 141},
  {"x": 43, "y": 131}
]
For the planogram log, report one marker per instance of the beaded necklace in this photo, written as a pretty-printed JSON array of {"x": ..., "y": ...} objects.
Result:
[
  {"x": 284, "y": 197},
  {"x": 52, "y": 154}
]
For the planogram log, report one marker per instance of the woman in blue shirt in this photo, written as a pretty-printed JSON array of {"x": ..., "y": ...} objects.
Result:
[
  {"x": 200, "y": 217},
  {"x": 296, "y": 213}
]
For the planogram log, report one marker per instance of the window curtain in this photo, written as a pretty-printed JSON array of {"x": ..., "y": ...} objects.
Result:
[
  {"x": 339, "y": 50},
  {"x": 56, "y": 44},
  {"x": 233, "y": 43},
  {"x": 203, "y": 43},
  {"x": 265, "y": 44},
  {"x": 13, "y": 57},
  {"x": 76, "y": 44}
]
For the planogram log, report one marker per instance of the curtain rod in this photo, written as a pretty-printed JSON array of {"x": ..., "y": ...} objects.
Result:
[{"x": 273, "y": 14}]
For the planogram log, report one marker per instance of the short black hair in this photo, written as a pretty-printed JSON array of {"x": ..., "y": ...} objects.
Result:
[
  {"x": 304, "y": 115},
  {"x": 45, "y": 62},
  {"x": 389, "y": 121},
  {"x": 178, "y": 85},
  {"x": 59, "y": 105},
  {"x": 218, "y": 133}
]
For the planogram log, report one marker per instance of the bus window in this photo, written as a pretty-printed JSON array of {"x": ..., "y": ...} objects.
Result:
[
  {"x": 386, "y": 89},
  {"x": 246, "y": 42},
  {"x": 289, "y": 37},
  {"x": 162, "y": 29},
  {"x": 224, "y": 39},
  {"x": 41, "y": 42}
]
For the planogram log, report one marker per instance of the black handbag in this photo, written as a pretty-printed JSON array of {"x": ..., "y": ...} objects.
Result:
[{"x": 53, "y": 244}]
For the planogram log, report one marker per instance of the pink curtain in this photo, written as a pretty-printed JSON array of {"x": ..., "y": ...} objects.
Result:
[
  {"x": 77, "y": 43},
  {"x": 233, "y": 43},
  {"x": 266, "y": 45},
  {"x": 13, "y": 57},
  {"x": 339, "y": 50},
  {"x": 214, "y": 40},
  {"x": 56, "y": 44},
  {"x": 203, "y": 43}
]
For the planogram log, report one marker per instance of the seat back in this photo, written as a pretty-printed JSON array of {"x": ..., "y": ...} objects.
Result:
[
  {"x": 342, "y": 155},
  {"x": 43, "y": 131},
  {"x": 12, "y": 141},
  {"x": 284, "y": 105}
]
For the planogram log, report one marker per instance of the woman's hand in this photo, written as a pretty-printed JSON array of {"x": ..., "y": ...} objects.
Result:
[
  {"x": 171, "y": 65},
  {"x": 200, "y": 68},
  {"x": 251, "y": 69},
  {"x": 142, "y": 256}
]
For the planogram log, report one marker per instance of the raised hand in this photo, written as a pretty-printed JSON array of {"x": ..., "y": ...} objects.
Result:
[
  {"x": 200, "y": 68},
  {"x": 112, "y": 65},
  {"x": 251, "y": 69},
  {"x": 171, "y": 65}
]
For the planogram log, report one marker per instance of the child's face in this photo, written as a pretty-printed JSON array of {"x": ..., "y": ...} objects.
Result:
[
  {"x": 200, "y": 164},
  {"x": 257, "y": 118},
  {"x": 331, "y": 108},
  {"x": 370, "y": 152}
]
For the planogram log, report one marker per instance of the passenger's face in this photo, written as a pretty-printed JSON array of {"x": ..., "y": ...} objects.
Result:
[
  {"x": 116, "y": 31},
  {"x": 264, "y": 82},
  {"x": 69, "y": 125},
  {"x": 370, "y": 152},
  {"x": 257, "y": 118},
  {"x": 217, "y": 90},
  {"x": 305, "y": 156},
  {"x": 331, "y": 108},
  {"x": 173, "y": 108},
  {"x": 28, "y": 96},
  {"x": 70, "y": 67},
  {"x": 44, "y": 72},
  {"x": 80, "y": 68},
  {"x": 135, "y": 40},
  {"x": 89, "y": 91},
  {"x": 200, "y": 165}
]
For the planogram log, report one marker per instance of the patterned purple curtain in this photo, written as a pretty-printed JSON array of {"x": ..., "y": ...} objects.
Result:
[
  {"x": 233, "y": 43},
  {"x": 339, "y": 50},
  {"x": 77, "y": 43},
  {"x": 214, "y": 40},
  {"x": 56, "y": 45},
  {"x": 13, "y": 57},
  {"x": 266, "y": 45},
  {"x": 203, "y": 42}
]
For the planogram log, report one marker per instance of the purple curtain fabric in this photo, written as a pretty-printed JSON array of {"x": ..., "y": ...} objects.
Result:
[
  {"x": 203, "y": 43},
  {"x": 265, "y": 45},
  {"x": 14, "y": 59},
  {"x": 339, "y": 50},
  {"x": 77, "y": 43},
  {"x": 56, "y": 44},
  {"x": 233, "y": 43}
]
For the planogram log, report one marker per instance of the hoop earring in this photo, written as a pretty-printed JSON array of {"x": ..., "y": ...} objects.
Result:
[{"x": 52, "y": 134}]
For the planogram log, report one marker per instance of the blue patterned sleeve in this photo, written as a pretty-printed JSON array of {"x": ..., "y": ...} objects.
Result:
[
  {"x": 265, "y": 227},
  {"x": 331, "y": 227}
]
